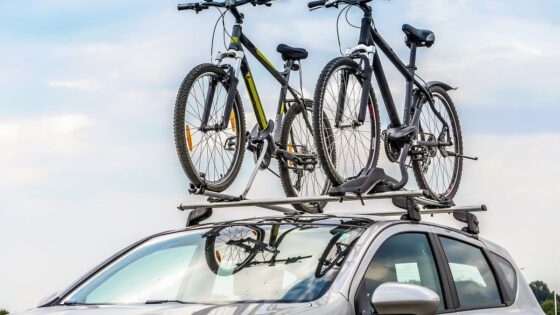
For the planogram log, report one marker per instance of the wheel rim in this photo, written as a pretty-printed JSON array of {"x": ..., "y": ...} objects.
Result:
[
  {"x": 207, "y": 149},
  {"x": 440, "y": 173},
  {"x": 331, "y": 258},
  {"x": 355, "y": 145},
  {"x": 230, "y": 257}
]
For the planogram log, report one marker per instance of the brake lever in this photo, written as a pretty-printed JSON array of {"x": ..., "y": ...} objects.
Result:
[{"x": 262, "y": 2}]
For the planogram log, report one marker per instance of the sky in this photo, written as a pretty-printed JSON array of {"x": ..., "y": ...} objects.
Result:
[{"x": 87, "y": 89}]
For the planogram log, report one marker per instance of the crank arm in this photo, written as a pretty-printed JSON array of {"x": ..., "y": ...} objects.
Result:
[{"x": 300, "y": 159}]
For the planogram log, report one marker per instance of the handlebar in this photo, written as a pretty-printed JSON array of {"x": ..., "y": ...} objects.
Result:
[
  {"x": 324, "y": 3},
  {"x": 315, "y": 4},
  {"x": 226, "y": 4},
  {"x": 187, "y": 6}
]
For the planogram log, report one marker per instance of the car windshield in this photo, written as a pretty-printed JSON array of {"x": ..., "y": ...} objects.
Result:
[{"x": 236, "y": 263}]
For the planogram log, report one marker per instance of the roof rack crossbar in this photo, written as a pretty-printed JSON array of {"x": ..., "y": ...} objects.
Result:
[
  {"x": 413, "y": 203},
  {"x": 449, "y": 210},
  {"x": 227, "y": 201}
]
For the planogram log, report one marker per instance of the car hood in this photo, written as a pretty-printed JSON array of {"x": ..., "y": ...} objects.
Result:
[{"x": 175, "y": 309}]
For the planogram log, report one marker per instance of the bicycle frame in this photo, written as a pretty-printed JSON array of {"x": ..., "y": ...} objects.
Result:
[
  {"x": 235, "y": 50},
  {"x": 400, "y": 132},
  {"x": 370, "y": 37}
]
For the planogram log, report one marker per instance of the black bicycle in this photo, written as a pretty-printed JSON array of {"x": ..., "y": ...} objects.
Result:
[
  {"x": 209, "y": 120},
  {"x": 428, "y": 139}
]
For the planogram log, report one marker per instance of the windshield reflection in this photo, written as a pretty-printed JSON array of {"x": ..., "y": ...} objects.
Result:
[{"x": 293, "y": 262}]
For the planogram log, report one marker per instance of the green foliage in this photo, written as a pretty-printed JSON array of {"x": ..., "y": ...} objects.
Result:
[
  {"x": 4, "y": 312},
  {"x": 548, "y": 307},
  {"x": 544, "y": 296},
  {"x": 540, "y": 290}
]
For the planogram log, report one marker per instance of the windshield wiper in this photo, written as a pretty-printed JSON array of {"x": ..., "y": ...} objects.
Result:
[
  {"x": 74, "y": 303},
  {"x": 165, "y": 301}
]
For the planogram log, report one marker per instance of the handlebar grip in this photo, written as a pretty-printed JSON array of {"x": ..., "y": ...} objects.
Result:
[
  {"x": 186, "y": 6},
  {"x": 314, "y": 4}
]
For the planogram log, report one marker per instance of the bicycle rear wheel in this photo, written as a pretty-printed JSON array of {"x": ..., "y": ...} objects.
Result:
[
  {"x": 300, "y": 180},
  {"x": 210, "y": 156},
  {"x": 352, "y": 145},
  {"x": 440, "y": 169}
]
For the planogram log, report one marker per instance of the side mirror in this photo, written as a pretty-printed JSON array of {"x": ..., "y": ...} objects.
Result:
[{"x": 399, "y": 298}]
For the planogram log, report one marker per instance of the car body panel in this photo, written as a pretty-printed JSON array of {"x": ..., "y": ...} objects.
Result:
[{"x": 339, "y": 299}]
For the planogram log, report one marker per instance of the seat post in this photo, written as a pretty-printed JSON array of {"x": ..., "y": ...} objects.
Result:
[{"x": 412, "y": 62}]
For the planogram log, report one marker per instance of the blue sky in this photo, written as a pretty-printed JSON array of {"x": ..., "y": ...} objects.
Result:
[{"x": 87, "y": 91}]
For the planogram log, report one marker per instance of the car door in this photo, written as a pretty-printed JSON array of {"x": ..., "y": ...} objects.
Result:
[
  {"x": 403, "y": 253},
  {"x": 476, "y": 282}
]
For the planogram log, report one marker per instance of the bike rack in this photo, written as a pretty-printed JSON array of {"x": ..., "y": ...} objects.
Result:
[{"x": 410, "y": 201}]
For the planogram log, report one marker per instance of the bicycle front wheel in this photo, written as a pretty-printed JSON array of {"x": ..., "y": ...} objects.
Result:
[
  {"x": 352, "y": 145},
  {"x": 211, "y": 156}
]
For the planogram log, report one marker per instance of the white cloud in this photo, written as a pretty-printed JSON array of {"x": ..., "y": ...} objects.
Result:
[
  {"x": 27, "y": 144},
  {"x": 80, "y": 85}
]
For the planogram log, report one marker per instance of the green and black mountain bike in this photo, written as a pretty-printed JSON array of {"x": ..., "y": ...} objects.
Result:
[
  {"x": 428, "y": 139},
  {"x": 209, "y": 121}
]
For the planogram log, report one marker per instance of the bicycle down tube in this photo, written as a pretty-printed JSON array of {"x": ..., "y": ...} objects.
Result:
[{"x": 237, "y": 42}]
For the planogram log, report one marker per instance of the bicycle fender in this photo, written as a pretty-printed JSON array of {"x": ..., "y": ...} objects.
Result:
[{"x": 444, "y": 86}]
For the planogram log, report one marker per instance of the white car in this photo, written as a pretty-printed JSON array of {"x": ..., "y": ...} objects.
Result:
[{"x": 303, "y": 264}]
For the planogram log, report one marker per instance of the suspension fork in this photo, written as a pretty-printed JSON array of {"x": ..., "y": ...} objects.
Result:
[
  {"x": 233, "y": 81},
  {"x": 208, "y": 103},
  {"x": 341, "y": 98},
  {"x": 366, "y": 87}
]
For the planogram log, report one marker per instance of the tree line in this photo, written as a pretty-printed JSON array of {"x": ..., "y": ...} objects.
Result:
[{"x": 544, "y": 296}]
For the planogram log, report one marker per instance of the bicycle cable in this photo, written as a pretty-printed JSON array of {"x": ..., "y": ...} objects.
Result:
[
  {"x": 221, "y": 17},
  {"x": 338, "y": 28},
  {"x": 348, "y": 21},
  {"x": 419, "y": 77}
]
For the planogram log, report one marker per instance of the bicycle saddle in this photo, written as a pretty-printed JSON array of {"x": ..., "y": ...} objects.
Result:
[
  {"x": 419, "y": 37},
  {"x": 291, "y": 53}
]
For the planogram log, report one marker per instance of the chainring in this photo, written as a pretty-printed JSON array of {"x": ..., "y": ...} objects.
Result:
[{"x": 392, "y": 151}]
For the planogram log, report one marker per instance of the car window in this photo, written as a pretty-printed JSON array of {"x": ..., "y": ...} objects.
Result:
[
  {"x": 510, "y": 276},
  {"x": 405, "y": 258},
  {"x": 285, "y": 263},
  {"x": 475, "y": 283}
]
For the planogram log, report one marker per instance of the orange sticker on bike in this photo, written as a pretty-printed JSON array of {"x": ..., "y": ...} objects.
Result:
[
  {"x": 232, "y": 121},
  {"x": 189, "y": 137},
  {"x": 290, "y": 149}
]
